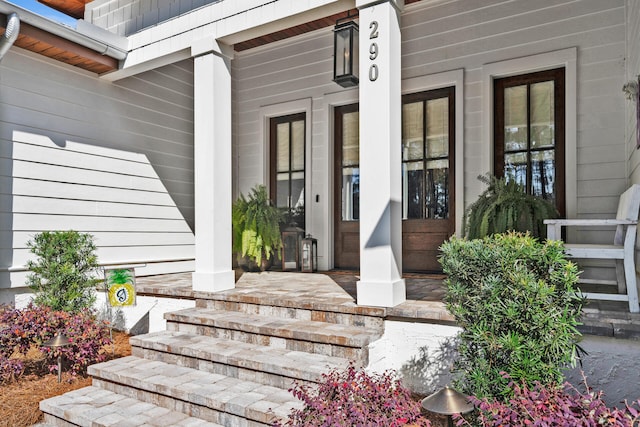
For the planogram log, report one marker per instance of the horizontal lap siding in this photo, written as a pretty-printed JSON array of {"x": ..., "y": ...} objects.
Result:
[
  {"x": 443, "y": 36},
  {"x": 111, "y": 159},
  {"x": 440, "y": 36}
]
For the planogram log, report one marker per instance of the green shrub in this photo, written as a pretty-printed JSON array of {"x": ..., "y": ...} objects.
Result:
[
  {"x": 505, "y": 206},
  {"x": 516, "y": 302},
  {"x": 63, "y": 273}
]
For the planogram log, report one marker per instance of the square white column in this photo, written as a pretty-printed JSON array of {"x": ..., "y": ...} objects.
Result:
[
  {"x": 381, "y": 282},
  {"x": 212, "y": 168}
]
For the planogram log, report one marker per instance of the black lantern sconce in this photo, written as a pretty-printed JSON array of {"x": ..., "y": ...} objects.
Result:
[
  {"x": 309, "y": 255},
  {"x": 345, "y": 53},
  {"x": 291, "y": 248}
]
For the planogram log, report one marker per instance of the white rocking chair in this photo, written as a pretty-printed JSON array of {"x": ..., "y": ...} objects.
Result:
[{"x": 623, "y": 248}]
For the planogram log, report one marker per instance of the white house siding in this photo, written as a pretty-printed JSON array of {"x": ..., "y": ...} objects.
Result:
[
  {"x": 441, "y": 36},
  {"x": 113, "y": 160},
  {"x": 125, "y": 18},
  {"x": 633, "y": 72}
]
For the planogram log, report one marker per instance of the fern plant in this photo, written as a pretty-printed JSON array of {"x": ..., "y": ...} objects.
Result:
[
  {"x": 505, "y": 206},
  {"x": 256, "y": 227}
]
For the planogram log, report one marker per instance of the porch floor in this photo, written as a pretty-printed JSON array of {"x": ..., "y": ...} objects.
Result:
[{"x": 425, "y": 293}]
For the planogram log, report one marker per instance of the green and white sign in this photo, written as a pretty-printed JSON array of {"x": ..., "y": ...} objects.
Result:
[{"x": 121, "y": 287}]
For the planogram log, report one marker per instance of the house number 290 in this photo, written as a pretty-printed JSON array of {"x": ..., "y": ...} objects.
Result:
[{"x": 373, "y": 51}]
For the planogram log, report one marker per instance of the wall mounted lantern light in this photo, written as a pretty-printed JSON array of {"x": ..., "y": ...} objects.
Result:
[{"x": 345, "y": 53}]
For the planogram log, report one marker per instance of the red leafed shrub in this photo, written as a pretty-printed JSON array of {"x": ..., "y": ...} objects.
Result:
[
  {"x": 23, "y": 330},
  {"x": 550, "y": 406},
  {"x": 353, "y": 397}
]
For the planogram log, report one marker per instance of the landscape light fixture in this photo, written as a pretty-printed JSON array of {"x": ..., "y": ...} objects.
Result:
[
  {"x": 447, "y": 401},
  {"x": 59, "y": 340}
]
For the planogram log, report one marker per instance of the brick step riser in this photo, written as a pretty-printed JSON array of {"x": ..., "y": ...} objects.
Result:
[
  {"x": 192, "y": 409},
  {"x": 242, "y": 373},
  {"x": 347, "y": 319},
  {"x": 358, "y": 354}
]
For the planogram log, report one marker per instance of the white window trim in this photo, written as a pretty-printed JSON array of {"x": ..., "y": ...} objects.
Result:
[
  {"x": 566, "y": 58},
  {"x": 283, "y": 109},
  {"x": 437, "y": 81}
]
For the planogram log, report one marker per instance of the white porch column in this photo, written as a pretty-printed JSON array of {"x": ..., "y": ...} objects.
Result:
[
  {"x": 381, "y": 282},
  {"x": 212, "y": 166}
]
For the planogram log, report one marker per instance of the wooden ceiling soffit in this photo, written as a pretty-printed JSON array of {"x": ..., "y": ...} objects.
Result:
[
  {"x": 317, "y": 24},
  {"x": 60, "y": 49},
  {"x": 73, "y": 8}
]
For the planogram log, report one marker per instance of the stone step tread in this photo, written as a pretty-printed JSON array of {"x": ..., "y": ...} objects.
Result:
[
  {"x": 94, "y": 407},
  {"x": 302, "y": 330},
  {"x": 221, "y": 393},
  {"x": 280, "y": 361}
]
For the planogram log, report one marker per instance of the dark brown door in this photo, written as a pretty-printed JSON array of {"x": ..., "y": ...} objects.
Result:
[
  {"x": 428, "y": 213},
  {"x": 347, "y": 188}
]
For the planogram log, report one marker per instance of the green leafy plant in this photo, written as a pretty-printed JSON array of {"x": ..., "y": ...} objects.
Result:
[
  {"x": 119, "y": 276},
  {"x": 517, "y": 304},
  {"x": 63, "y": 275},
  {"x": 352, "y": 397},
  {"x": 256, "y": 227},
  {"x": 505, "y": 206},
  {"x": 22, "y": 330}
]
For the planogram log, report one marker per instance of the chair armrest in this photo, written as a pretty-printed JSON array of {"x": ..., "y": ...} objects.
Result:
[
  {"x": 554, "y": 226},
  {"x": 589, "y": 222}
]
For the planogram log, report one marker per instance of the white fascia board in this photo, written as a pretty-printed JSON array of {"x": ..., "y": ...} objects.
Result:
[{"x": 225, "y": 21}]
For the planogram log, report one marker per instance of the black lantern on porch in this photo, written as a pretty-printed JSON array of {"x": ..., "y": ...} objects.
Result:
[
  {"x": 345, "y": 53},
  {"x": 309, "y": 255},
  {"x": 291, "y": 243}
]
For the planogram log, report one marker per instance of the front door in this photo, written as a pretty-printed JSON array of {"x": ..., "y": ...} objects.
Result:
[
  {"x": 427, "y": 180},
  {"x": 347, "y": 188}
]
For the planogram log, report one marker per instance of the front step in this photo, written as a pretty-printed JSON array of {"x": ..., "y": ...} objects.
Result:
[
  {"x": 230, "y": 360},
  {"x": 212, "y": 397},
  {"x": 96, "y": 407},
  {"x": 331, "y": 339},
  {"x": 263, "y": 364}
]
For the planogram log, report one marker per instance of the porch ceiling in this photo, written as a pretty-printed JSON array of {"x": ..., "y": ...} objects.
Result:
[
  {"x": 41, "y": 42},
  {"x": 73, "y": 8},
  {"x": 60, "y": 49},
  {"x": 327, "y": 21}
]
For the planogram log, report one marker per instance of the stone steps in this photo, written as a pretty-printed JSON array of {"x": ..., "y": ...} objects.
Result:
[
  {"x": 264, "y": 364},
  {"x": 346, "y": 314},
  {"x": 229, "y": 361},
  {"x": 330, "y": 339},
  {"x": 96, "y": 407},
  {"x": 212, "y": 397}
]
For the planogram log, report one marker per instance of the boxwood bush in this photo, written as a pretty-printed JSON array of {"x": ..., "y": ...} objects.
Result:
[
  {"x": 516, "y": 302},
  {"x": 63, "y": 274}
]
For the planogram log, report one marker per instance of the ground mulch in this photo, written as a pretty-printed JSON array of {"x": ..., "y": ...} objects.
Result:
[{"x": 19, "y": 400}]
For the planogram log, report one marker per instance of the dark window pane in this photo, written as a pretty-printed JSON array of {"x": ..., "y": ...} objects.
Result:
[
  {"x": 543, "y": 174},
  {"x": 413, "y": 182},
  {"x": 350, "y": 194},
  {"x": 437, "y": 194}
]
